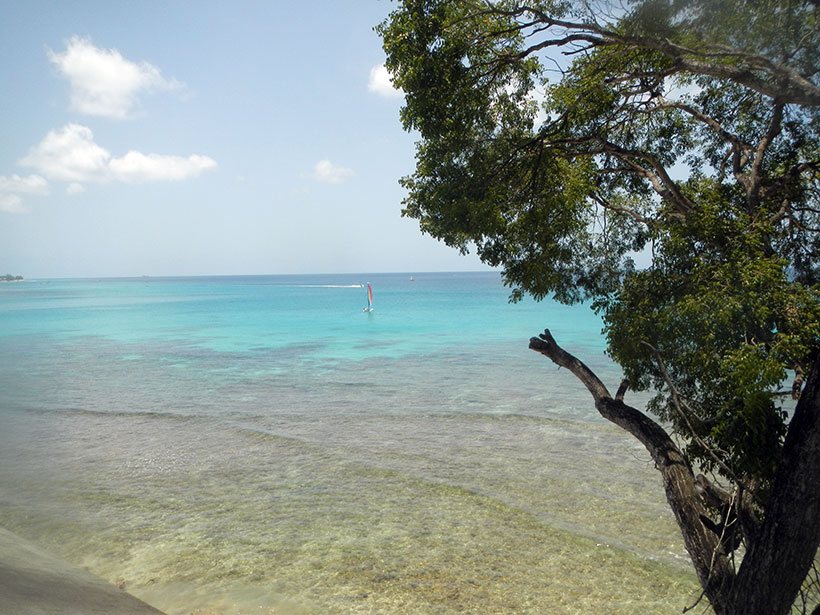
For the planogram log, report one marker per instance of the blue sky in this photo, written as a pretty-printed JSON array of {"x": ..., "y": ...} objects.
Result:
[{"x": 195, "y": 138}]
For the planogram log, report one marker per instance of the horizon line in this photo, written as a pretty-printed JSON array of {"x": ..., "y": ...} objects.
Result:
[{"x": 249, "y": 275}]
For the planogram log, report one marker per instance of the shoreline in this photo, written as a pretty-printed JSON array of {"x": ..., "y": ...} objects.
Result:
[{"x": 34, "y": 581}]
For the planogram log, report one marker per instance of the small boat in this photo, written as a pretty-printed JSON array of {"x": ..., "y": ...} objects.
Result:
[{"x": 369, "y": 306}]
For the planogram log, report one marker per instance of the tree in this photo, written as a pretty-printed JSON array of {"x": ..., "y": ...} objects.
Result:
[{"x": 684, "y": 132}]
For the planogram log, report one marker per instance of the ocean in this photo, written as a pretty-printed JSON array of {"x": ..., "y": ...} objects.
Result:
[{"x": 259, "y": 444}]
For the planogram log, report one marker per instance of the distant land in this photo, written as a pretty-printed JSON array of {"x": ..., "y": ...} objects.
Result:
[{"x": 10, "y": 278}]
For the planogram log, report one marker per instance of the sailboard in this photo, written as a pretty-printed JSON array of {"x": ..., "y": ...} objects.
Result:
[{"x": 369, "y": 306}]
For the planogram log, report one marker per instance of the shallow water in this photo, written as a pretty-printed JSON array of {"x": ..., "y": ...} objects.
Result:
[{"x": 258, "y": 444}]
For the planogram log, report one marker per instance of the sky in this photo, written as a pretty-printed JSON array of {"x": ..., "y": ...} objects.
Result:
[{"x": 203, "y": 138}]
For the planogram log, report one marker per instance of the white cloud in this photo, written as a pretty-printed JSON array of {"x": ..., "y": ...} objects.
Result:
[
  {"x": 329, "y": 173},
  {"x": 71, "y": 155},
  {"x": 12, "y": 189},
  {"x": 103, "y": 83},
  {"x": 31, "y": 184},
  {"x": 12, "y": 204},
  {"x": 74, "y": 188},
  {"x": 380, "y": 82},
  {"x": 137, "y": 167}
]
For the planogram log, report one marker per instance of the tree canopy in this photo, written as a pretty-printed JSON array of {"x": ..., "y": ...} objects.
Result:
[{"x": 658, "y": 158}]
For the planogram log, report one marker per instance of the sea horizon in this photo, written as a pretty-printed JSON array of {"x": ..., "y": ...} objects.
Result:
[{"x": 497, "y": 272}]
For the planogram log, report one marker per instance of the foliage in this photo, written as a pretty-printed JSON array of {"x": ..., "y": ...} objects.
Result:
[{"x": 682, "y": 133}]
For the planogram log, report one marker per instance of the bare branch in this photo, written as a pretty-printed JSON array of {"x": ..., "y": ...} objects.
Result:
[
  {"x": 619, "y": 395},
  {"x": 713, "y": 568},
  {"x": 546, "y": 345},
  {"x": 755, "y": 179},
  {"x": 624, "y": 210}
]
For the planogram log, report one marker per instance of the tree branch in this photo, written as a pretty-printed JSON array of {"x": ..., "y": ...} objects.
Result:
[
  {"x": 756, "y": 176},
  {"x": 723, "y": 501},
  {"x": 739, "y": 149},
  {"x": 656, "y": 175},
  {"x": 710, "y": 561},
  {"x": 546, "y": 345},
  {"x": 663, "y": 184},
  {"x": 756, "y": 72},
  {"x": 623, "y": 210},
  {"x": 619, "y": 395}
]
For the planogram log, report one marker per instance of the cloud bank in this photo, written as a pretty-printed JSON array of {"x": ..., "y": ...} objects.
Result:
[
  {"x": 103, "y": 83},
  {"x": 381, "y": 84},
  {"x": 71, "y": 155}
]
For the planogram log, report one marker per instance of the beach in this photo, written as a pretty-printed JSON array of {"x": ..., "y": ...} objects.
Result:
[
  {"x": 33, "y": 581},
  {"x": 236, "y": 445}
]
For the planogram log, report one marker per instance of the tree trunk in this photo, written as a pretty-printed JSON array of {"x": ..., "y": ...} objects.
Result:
[
  {"x": 781, "y": 552},
  {"x": 780, "y": 556},
  {"x": 708, "y": 558}
]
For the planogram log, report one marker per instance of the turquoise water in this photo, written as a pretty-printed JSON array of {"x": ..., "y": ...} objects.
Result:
[{"x": 259, "y": 444}]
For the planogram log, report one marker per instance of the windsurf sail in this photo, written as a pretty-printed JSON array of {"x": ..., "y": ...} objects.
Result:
[{"x": 369, "y": 306}]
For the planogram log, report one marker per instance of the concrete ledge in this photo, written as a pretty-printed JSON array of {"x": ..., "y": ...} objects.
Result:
[{"x": 33, "y": 581}]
